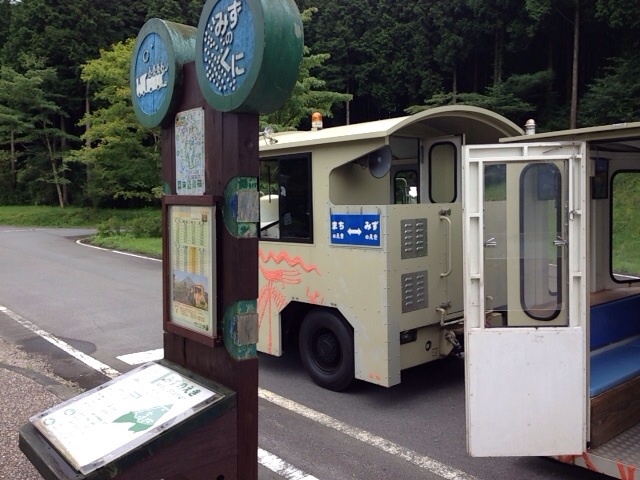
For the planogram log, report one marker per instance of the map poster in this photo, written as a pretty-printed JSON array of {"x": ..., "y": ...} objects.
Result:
[
  {"x": 189, "y": 135},
  {"x": 192, "y": 255},
  {"x": 103, "y": 424}
]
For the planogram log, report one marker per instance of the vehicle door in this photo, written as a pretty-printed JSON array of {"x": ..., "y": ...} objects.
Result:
[
  {"x": 442, "y": 189},
  {"x": 525, "y": 298}
]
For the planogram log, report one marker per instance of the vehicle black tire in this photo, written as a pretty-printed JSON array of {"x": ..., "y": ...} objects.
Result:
[{"x": 326, "y": 349}]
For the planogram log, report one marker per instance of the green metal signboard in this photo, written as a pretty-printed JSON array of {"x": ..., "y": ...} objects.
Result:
[
  {"x": 248, "y": 53},
  {"x": 160, "y": 50}
]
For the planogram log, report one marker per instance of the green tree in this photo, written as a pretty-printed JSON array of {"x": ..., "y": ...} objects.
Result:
[
  {"x": 186, "y": 12},
  {"x": 13, "y": 121},
  {"x": 309, "y": 94},
  {"x": 5, "y": 19},
  {"x": 397, "y": 57},
  {"x": 28, "y": 111},
  {"x": 569, "y": 13},
  {"x": 514, "y": 98},
  {"x": 122, "y": 155},
  {"x": 620, "y": 13},
  {"x": 63, "y": 35},
  {"x": 501, "y": 28},
  {"x": 47, "y": 141},
  {"x": 615, "y": 96},
  {"x": 454, "y": 34},
  {"x": 511, "y": 56},
  {"x": 337, "y": 29}
]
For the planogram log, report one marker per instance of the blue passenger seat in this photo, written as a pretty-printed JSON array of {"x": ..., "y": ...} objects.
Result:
[{"x": 614, "y": 343}]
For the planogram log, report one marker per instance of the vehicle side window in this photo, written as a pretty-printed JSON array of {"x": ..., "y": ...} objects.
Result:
[
  {"x": 285, "y": 198},
  {"x": 405, "y": 187},
  {"x": 625, "y": 250}
]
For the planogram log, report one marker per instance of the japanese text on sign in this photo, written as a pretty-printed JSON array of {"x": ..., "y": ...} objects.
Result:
[
  {"x": 228, "y": 45},
  {"x": 355, "y": 229},
  {"x": 192, "y": 284},
  {"x": 107, "y": 422}
]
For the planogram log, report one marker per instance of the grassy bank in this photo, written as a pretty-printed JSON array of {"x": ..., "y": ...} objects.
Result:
[
  {"x": 132, "y": 230},
  {"x": 151, "y": 247}
]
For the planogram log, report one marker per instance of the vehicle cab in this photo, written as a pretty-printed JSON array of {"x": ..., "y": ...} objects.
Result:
[{"x": 360, "y": 255}]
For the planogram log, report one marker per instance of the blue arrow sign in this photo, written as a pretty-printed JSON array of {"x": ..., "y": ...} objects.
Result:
[{"x": 355, "y": 229}]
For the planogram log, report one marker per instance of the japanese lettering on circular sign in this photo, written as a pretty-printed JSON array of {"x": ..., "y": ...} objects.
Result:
[
  {"x": 160, "y": 50},
  {"x": 248, "y": 53},
  {"x": 228, "y": 46}
]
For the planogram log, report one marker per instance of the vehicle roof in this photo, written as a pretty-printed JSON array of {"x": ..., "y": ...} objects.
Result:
[
  {"x": 617, "y": 137},
  {"x": 478, "y": 124}
]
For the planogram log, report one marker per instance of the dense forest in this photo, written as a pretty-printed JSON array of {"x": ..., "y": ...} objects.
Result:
[{"x": 68, "y": 135}]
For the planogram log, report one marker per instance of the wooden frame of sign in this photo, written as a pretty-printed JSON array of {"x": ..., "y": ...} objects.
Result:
[{"x": 190, "y": 267}]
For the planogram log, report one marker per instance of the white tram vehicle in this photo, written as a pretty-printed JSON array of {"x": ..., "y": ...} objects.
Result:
[{"x": 360, "y": 252}]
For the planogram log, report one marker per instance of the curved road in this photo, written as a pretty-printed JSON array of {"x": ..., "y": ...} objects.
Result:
[{"x": 106, "y": 305}]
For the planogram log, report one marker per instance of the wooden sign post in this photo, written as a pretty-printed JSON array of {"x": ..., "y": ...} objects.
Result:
[
  {"x": 246, "y": 61},
  {"x": 205, "y": 87}
]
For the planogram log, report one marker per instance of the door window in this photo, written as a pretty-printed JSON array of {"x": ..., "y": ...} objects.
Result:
[{"x": 540, "y": 241}]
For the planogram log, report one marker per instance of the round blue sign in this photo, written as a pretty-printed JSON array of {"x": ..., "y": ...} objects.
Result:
[
  {"x": 159, "y": 52},
  {"x": 151, "y": 73}
]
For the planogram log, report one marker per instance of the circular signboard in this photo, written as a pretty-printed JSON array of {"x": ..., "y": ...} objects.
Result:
[
  {"x": 248, "y": 53},
  {"x": 159, "y": 52}
]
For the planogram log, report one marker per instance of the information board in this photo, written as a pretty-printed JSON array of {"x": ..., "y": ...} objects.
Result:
[
  {"x": 189, "y": 135},
  {"x": 355, "y": 229},
  {"x": 192, "y": 261},
  {"x": 105, "y": 423}
]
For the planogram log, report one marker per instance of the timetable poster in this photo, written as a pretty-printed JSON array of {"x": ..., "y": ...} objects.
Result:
[
  {"x": 103, "y": 424},
  {"x": 192, "y": 252}
]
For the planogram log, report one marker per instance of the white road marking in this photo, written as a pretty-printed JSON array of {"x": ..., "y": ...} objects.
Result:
[
  {"x": 269, "y": 460},
  {"x": 282, "y": 468},
  {"x": 422, "y": 461},
  {"x": 142, "y": 357},
  {"x": 83, "y": 357},
  {"x": 23, "y": 230},
  {"x": 79, "y": 242}
]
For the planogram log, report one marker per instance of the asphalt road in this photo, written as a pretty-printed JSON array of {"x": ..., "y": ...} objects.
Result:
[{"x": 106, "y": 304}]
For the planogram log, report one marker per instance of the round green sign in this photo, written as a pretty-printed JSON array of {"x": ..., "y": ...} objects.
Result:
[
  {"x": 248, "y": 53},
  {"x": 159, "y": 52}
]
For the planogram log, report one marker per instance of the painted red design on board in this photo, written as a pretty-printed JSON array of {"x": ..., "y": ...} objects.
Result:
[{"x": 271, "y": 294}]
